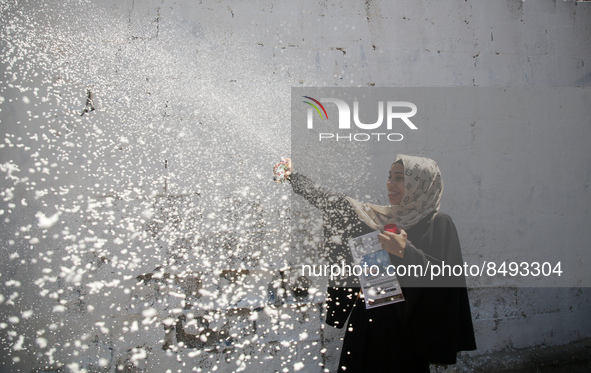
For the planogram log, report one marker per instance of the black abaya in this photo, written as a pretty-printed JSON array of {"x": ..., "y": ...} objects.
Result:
[{"x": 430, "y": 326}]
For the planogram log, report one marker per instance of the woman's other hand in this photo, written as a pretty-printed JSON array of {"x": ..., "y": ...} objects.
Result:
[
  {"x": 393, "y": 243},
  {"x": 289, "y": 169}
]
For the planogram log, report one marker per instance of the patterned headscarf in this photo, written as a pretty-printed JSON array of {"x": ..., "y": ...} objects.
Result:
[{"x": 422, "y": 196}]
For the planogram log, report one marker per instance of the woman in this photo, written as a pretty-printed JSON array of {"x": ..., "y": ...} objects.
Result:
[{"x": 433, "y": 323}]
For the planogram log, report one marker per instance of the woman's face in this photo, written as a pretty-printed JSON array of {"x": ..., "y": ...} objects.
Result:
[{"x": 395, "y": 184}]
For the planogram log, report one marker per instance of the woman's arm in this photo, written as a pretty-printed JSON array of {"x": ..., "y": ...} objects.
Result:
[
  {"x": 398, "y": 245},
  {"x": 325, "y": 200},
  {"x": 336, "y": 204},
  {"x": 414, "y": 255},
  {"x": 317, "y": 196},
  {"x": 438, "y": 252}
]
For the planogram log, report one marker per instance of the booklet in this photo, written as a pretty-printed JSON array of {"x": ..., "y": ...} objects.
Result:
[{"x": 379, "y": 288}]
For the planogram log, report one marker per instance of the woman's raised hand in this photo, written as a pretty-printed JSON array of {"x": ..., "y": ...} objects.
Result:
[
  {"x": 282, "y": 171},
  {"x": 393, "y": 243}
]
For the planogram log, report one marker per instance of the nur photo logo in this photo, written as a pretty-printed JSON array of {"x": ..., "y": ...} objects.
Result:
[{"x": 391, "y": 111}]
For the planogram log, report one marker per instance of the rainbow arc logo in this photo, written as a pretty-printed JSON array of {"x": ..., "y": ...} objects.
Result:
[{"x": 316, "y": 107}]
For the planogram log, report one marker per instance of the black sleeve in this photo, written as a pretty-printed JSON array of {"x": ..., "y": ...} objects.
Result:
[
  {"x": 440, "y": 246},
  {"x": 413, "y": 255},
  {"x": 317, "y": 196},
  {"x": 339, "y": 216},
  {"x": 444, "y": 249},
  {"x": 443, "y": 240}
]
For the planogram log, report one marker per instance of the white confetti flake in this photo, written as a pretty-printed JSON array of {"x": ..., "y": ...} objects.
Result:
[
  {"x": 138, "y": 354},
  {"x": 18, "y": 346},
  {"x": 47, "y": 222},
  {"x": 41, "y": 342}
]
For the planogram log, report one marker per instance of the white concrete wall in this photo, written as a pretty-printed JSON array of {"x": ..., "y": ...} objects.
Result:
[{"x": 205, "y": 86}]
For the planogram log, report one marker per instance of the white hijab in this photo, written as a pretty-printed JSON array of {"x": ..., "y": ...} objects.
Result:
[{"x": 422, "y": 196}]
